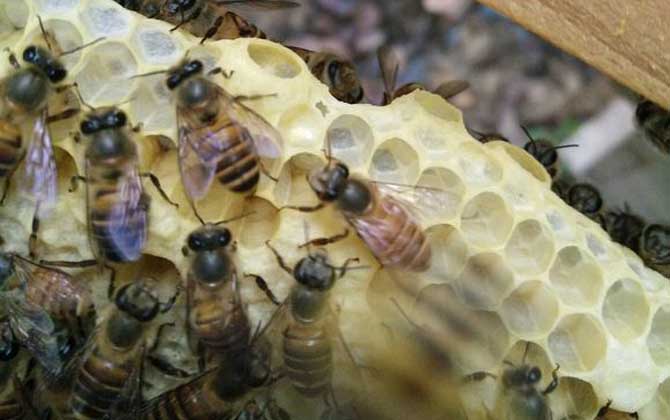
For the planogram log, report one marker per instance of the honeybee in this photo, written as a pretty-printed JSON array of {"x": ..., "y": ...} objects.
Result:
[
  {"x": 606, "y": 413},
  {"x": 219, "y": 393},
  {"x": 586, "y": 199},
  {"x": 108, "y": 374},
  {"x": 218, "y": 135},
  {"x": 655, "y": 248},
  {"x": 624, "y": 227},
  {"x": 388, "y": 64},
  {"x": 522, "y": 400},
  {"x": 116, "y": 204},
  {"x": 308, "y": 325},
  {"x": 11, "y": 407},
  {"x": 381, "y": 214},
  {"x": 655, "y": 123},
  {"x": 487, "y": 137},
  {"x": 215, "y": 313},
  {"x": 545, "y": 153}
]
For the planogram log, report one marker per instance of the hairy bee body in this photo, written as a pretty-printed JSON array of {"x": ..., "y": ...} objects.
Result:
[
  {"x": 10, "y": 147},
  {"x": 58, "y": 293},
  {"x": 308, "y": 357}
]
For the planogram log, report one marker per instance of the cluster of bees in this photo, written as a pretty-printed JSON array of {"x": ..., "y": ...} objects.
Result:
[{"x": 59, "y": 357}]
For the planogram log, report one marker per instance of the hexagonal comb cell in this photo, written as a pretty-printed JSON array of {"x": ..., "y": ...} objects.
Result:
[
  {"x": 574, "y": 399},
  {"x": 485, "y": 281},
  {"x": 530, "y": 248},
  {"x": 486, "y": 220},
  {"x": 658, "y": 340},
  {"x": 529, "y": 353},
  {"x": 292, "y": 187},
  {"x": 274, "y": 59},
  {"x": 449, "y": 252},
  {"x": 626, "y": 310},
  {"x": 578, "y": 343},
  {"x": 156, "y": 45},
  {"x": 576, "y": 277},
  {"x": 659, "y": 406},
  {"x": 437, "y": 106},
  {"x": 531, "y": 310},
  {"x": 524, "y": 159},
  {"x": 395, "y": 161},
  {"x": 303, "y": 125},
  {"x": 13, "y": 15},
  {"x": 55, "y": 5},
  {"x": 260, "y": 224},
  {"x": 106, "y": 21},
  {"x": 443, "y": 195},
  {"x": 67, "y": 37},
  {"x": 104, "y": 78},
  {"x": 351, "y": 139},
  {"x": 477, "y": 165}
]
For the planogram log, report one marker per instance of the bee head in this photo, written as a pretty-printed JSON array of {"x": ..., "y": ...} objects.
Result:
[
  {"x": 138, "y": 300},
  {"x": 543, "y": 151},
  {"x": 329, "y": 182},
  {"x": 655, "y": 243},
  {"x": 585, "y": 198},
  {"x": 45, "y": 61},
  {"x": 182, "y": 72},
  {"x": 522, "y": 377},
  {"x": 314, "y": 272},
  {"x": 109, "y": 119},
  {"x": 209, "y": 238},
  {"x": 344, "y": 82}
]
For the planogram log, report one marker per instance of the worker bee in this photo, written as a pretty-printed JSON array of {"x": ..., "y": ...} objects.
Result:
[
  {"x": 586, "y": 199},
  {"x": 338, "y": 74},
  {"x": 388, "y": 64},
  {"x": 220, "y": 392},
  {"x": 522, "y": 400},
  {"x": 655, "y": 248},
  {"x": 545, "y": 153},
  {"x": 108, "y": 374},
  {"x": 308, "y": 325},
  {"x": 215, "y": 313},
  {"x": 624, "y": 227},
  {"x": 655, "y": 123},
  {"x": 116, "y": 204},
  {"x": 66, "y": 301},
  {"x": 381, "y": 214},
  {"x": 218, "y": 135}
]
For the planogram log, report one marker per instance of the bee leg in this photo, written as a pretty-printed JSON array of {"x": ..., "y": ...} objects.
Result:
[
  {"x": 111, "y": 288},
  {"x": 212, "y": 29},
  {"x": 477, "y": 377},
  {"x": 74, "y": 182},
  {"x": 280, "y": 260},
  {"x": 262, "y": 284},
  {"x": 32, "y": 241},
  {"x": 326, "y": 241},
  {"x": 157, "y": 184},
  {"x": 554, "y": 381},
  {"x": 304, "y": 209},
  {"x": 184, "y": 19},
  {"x": 161, "y": 364},
  {"x": 604, "y": 409},
  {"x": 242, "y": 98},
  {"x": 66, "y": 114},
  {"x": 222, "y": 72}
]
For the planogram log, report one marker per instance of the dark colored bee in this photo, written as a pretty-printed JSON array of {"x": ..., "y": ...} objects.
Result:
[
  {"x": 308, "y": 325},
  {"x": 624, "y": 227},
  {"x": 218, "y": 135},
  {"x": 586, "y": 199},
  {"x": 655, "y": 248},
  {"x": 522, "y": 400},
  {"x": 219, "y": 393},
  {"x": 655, "y": 123},
  {"x": 487, "y": 137},
  {"x": 545, "y": 153},
  {"x": 108, "y": 376},
  {"x": 379, "y": 214},
  {"x": 388, "y": 64}
]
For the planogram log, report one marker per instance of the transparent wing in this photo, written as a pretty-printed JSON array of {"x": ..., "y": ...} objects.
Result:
[
  {"x": 198, "y": 153},
  {"x": 127, "y": 225},
  {"x": 422, "y": 202},
  {"x": 260, "y": 4},
  {"x": 266, "y": 138},
  {"x": 39, "y": 178},
  {"x": 452, "y": 88},
  {"x": 33, "y": 328},
  {"x": 388, "y": 64}
]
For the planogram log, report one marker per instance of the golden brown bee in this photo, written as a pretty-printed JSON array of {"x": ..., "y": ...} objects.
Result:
[
  {"x": 655, "y": 248},
  {"x": 308, "y": 325},
  {"x": 219, "y": 393},
  {"x": 545, "y": 153},
  {"x": 117, "y": 205},
  {"x": 218, "y": 135},
  {"x": 624, "y": 227},
  {"x": 216, "y": 315},
  {"x": 108, "y": 374},
  {"x": 586, "y": 199},
  {"x": 379, "y": 212},
  {"x": 655, "y": 123},
  {"x": 388, "y": 64}
]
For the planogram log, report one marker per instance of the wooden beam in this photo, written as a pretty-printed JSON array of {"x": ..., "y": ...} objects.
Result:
[{"x": 629, "y": 40}]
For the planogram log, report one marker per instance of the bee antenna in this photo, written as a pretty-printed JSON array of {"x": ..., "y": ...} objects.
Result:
[
  {"x": 525, "y": 352},
  {"x": 75, "y": 86},
  {"x": 525, "y": 130},
  {"x": 151, "y": 73},
  {"x": 45, "y": 35},
  {"x": 232, "y": 219},
  {"x": 81, "y": 47},
  {"x": 197, "y": 215}
]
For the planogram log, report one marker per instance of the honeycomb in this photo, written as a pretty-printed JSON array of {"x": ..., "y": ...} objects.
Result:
[{"x": 527, "y": 267}]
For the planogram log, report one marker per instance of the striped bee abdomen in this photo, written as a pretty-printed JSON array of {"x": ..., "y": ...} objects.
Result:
[
  {"x": 238, "y": 168},
  {"x": 308, "y": 359},
  {"x": 219, "y": 329},
  {"x": 10, "y": 147}
]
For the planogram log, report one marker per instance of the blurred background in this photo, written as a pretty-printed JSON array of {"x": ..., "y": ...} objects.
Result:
[{"x": 516, "y": 79}]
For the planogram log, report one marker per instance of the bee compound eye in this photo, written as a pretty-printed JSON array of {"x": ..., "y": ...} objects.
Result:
[
  {"x": 223, "y": 238},
  {"x": 30, "y": 54},
  {"x": 534, "y": 375},
  {"x": 89, "y": 126},
  {"x": 56, "y": 73}
]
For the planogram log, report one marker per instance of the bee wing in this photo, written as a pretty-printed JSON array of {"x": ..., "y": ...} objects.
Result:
[
  {"x": 127, "y": 227},
  {"x": 272, "y": 333},
  {"x": 422, "y": 202},
  {"x": 39, "y": 178},
  {"x": 33, "y": 328},
  {"x": 199, "y": 149},
  {"x": 266, "y": 138},
  {"x": 452, "y": 88},
  {"x": 260, "y": 4},
  {"x": 388, "y": 64},
  {"x": 130, "y": 401}
]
